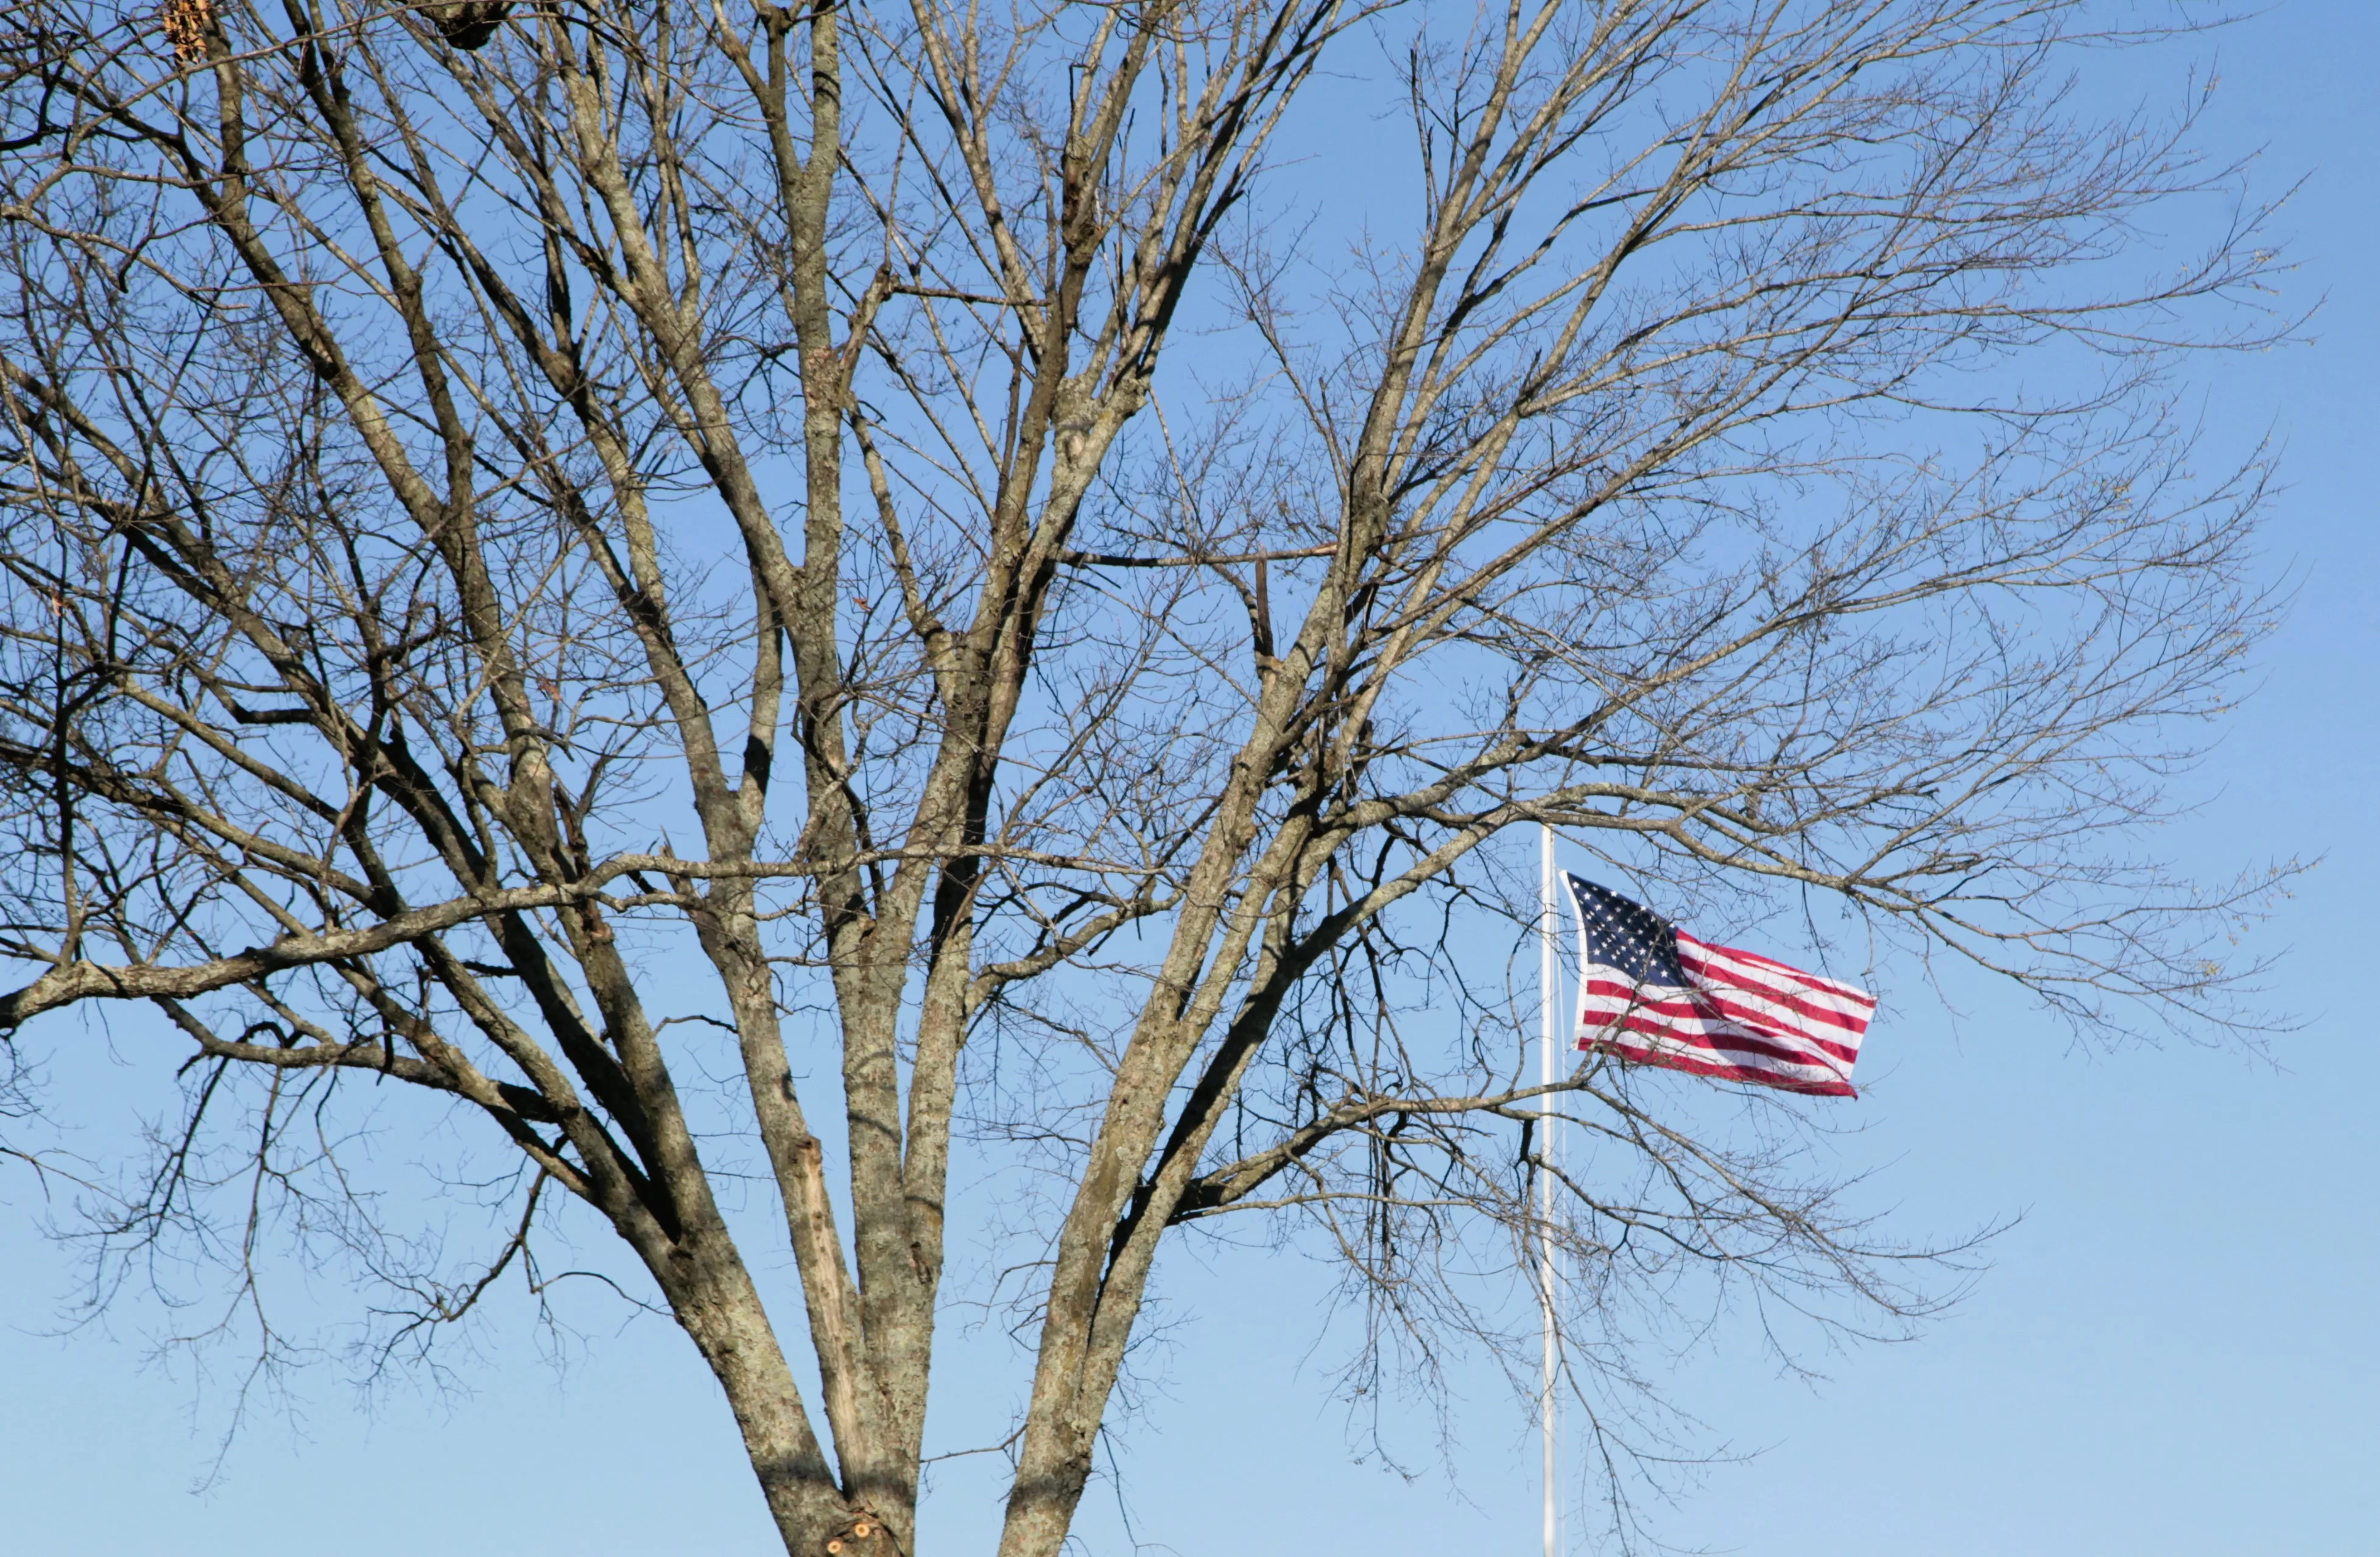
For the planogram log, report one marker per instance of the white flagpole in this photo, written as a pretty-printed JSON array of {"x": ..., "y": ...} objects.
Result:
[{"x": 1548, "y": 1019}]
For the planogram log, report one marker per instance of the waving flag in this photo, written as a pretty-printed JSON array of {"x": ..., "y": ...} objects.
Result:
[{"x": 1648, "y": 991}]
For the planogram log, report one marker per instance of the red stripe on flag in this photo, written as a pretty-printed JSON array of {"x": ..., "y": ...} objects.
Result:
[
  {"x": 1708, "y": 969},
  {"x": 1705, "y": 1006},
  {"x": 1801, "y": 976},
  {"x": 1748, "y": 1047},
  {"x": 1658, "y": 1040},
  {"x": 1724, "y": 1071}
]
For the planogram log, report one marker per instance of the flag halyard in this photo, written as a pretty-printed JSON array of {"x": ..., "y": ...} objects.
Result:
[{"x": 1652, "y": 994}]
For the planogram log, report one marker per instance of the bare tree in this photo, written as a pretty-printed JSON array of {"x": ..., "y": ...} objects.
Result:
[{"x": 449, "y": 447}]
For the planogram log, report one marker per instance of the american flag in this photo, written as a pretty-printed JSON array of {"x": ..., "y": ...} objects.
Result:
[{"x": 1648, "y": 991}]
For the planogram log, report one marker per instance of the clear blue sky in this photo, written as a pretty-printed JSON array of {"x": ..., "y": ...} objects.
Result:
[{"x": 2173, "y": 1354}]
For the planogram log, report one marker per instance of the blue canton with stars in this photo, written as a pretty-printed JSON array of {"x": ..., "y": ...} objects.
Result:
[{"x": 1627, "y": 937}]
